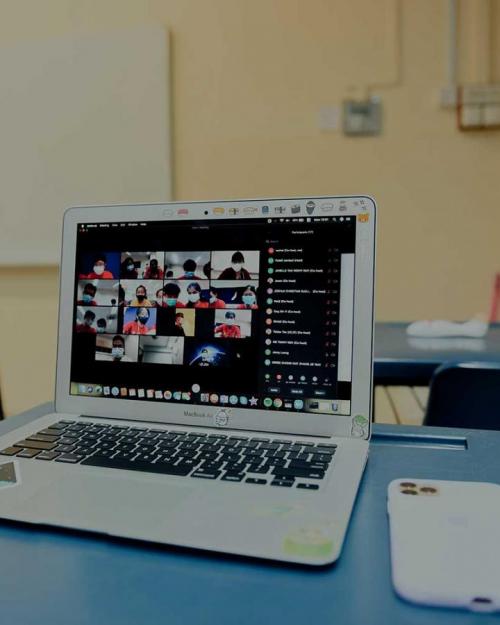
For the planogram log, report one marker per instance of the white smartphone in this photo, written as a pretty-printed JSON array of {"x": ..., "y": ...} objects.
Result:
[{"x": 445, "y": 542}]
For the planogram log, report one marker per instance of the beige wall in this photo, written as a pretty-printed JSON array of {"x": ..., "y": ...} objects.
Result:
[{"x": 249, "y": 77}]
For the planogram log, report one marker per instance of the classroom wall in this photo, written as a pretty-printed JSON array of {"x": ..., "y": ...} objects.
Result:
[{"x": 249, "y": 79}]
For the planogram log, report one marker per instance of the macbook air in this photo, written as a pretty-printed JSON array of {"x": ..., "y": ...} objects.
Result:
[{"x": 214, "y": 378}]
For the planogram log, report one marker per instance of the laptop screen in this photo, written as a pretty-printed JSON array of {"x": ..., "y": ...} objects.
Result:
[{"x": 253, "y": 313}]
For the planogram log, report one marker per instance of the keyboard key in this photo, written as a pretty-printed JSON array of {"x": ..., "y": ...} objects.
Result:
[
  {"x": 208, "y": 475},
  {"x": 65, "y": 448},
  {"x": 51, "y": 432},
  {"x": 117, "y": 463},
  {"x": 43, "y": 437},
  {"x": 308, "y": 486},
  {"x": 10, "y": 451},
  {"x": 277, "y": 482},
  {"x": 35, "y": 445},
  {"x": 255, "y": 480},
  {"x": 290, "y": 472},
  {"x": 69, "y": 458},
  {"x": 47, "y": 455},
  {"x": 229, "y": 476},
  {"x": 28, "y": 453}
]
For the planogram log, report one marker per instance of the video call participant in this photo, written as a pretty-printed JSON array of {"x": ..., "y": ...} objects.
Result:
[
  {"x": 101, "y": 325},
  {"x": 141, "y": 297},
  {"x": 118, "y": 350},
  {"x": 153, "y": 271},
  {"x": 89, "y": 291},
  {"x": 158, "y": 303},
  {"x": 99, "y": 270},
  {"x": 203, "y": 360},
  {"x": 86, "y": 326},
  {"x": 236, "y": 271},
  {"x": 249, "y": 298},
  {"x": 214, "y": 301},
  {"x": 139, "y": 325},
  {"x": 171, "y": 294},
  {"x": 178, "y": 329},
  {"x": 228, "y": 330},
  {"x": 194, "y": 296},
  {"x": 189, "y": 267},
  {"x": 127, "y": 268}
]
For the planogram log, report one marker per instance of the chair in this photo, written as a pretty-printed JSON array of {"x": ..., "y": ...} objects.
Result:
[{"x": 465, "y": 395}]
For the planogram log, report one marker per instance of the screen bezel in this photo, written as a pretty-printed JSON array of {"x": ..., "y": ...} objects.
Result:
[{"x": 305, "y": 423}]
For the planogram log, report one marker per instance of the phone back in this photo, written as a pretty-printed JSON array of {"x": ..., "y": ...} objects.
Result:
[{"x": 445, "y": 542}]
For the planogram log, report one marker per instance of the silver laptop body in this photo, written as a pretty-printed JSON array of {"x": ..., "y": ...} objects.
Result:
[{"x": 214, "y": 377}]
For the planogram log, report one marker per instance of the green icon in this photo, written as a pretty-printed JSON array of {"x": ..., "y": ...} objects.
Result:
[
  {"x": 268, "y": 402},
  {"x": 270, "y": 270},
  {"x": 267, "y": 362},
  {"x": 268, "y": 352},
  {"x": 270, "y": 261},
  {"x": 267, "y": 376},
  {"x": 269, "y": 301},
  {"x": 360, "y": 420}
]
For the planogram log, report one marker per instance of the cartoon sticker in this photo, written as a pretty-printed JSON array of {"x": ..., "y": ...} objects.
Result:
[
  {"x": 8, "y": 476},
  {"x": 310, "y": 541},
  {"x": 359, "y": 427}
]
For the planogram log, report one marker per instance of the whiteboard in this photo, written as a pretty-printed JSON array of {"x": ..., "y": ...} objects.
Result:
[{"x": 84, "y": 119}]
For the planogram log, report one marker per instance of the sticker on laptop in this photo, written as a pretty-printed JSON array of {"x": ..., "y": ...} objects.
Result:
[
  {"x": 8, "y": 475},
  {"x": 359, "y": 426},
  {"x": 311, "y": 541}
]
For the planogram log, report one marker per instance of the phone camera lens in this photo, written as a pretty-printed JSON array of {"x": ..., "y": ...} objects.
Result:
[
  {"x": 407, "y": 491},
  {"x": 408, "y": 485},
  {"x": 430, "y": 490}
]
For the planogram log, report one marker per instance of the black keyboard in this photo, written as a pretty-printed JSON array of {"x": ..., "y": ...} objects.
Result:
[{"x": 253, "y": 460}]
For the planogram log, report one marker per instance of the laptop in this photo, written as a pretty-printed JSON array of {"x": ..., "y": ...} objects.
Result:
[{"x": 214, "y": 378}]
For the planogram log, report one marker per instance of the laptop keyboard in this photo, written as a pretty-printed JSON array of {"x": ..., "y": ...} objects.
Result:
[{"x": 252, "y": 460}]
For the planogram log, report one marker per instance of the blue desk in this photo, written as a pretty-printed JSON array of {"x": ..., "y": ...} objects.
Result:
[
  {"x": 403, "y": 360},
  {"x": 54, "y": 578}
]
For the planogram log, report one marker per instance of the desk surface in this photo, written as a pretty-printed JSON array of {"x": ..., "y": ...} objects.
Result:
[
  {"x": 400, "y": 359},
  {"x": 67, "y": 578}
]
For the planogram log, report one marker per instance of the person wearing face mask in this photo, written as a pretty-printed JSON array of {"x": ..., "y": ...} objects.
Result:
[
  {"x": 118, "y": 350},
  {"x": 86, "y": 326},
  {"x": 127, "y": 268},
  {"x": 236, "y": 271},
  {"x": 99, "y": 271},
  {"x": 189, "y": 267},
  {"x": 214, "y": 301},
  {"x": 170, "y": 296},
  {"x": 101, "y": 325},
  {"x": 141, "y": 297},
  {"x": 228, "y": 330},
  {"x": 153, "y": 271},
  {"x": 249, "y": 298},
  {"x": 140, "y": 323},
  {"x": 194, "y": 296},
  {"x": 89, "y": 291}
]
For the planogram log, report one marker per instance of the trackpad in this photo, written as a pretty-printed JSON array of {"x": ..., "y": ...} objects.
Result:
[{"x": 122, "y": 505}]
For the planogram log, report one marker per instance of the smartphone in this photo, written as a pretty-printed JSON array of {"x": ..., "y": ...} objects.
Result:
[{"x": 445, "y": 542}]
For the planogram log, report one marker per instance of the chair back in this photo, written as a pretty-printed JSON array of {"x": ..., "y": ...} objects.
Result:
[{"x": 465, "y": 395}]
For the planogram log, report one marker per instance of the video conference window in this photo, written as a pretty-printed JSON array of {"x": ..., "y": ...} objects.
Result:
[
  {"x": 96, "y": 320},
  {"x": 139, "y": 320},
  {"x": 182, "y": 323},
  {"x": 187, "y": 265},
  {"x": 142, "y": 265},
  {"x": 140, "y": 292},
  {"x": 233, "y": 324},
  {"x": 117, "y": 348},
  {"x": 165, "y": 350},
  {"x": 235, "y": 265},
  {"x": 97, "y": 293},
  {"x": 99, "y": 266},
  {"x": 233, "y": 294}
]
